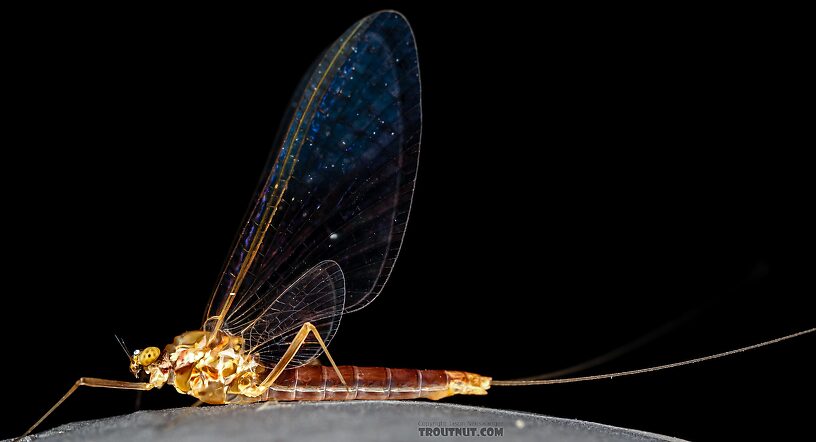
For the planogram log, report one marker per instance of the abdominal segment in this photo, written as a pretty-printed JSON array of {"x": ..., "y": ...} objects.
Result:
[{"x": 321, "y": 383}]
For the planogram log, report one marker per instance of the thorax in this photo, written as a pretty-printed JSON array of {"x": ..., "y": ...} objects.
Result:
[{"x": 215, "y": 372}]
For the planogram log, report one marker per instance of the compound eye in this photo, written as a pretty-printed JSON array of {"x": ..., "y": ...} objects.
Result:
[{"x": 148, "y": 356}]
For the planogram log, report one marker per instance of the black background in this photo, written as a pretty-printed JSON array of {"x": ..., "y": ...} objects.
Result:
[{"x": 586, "y": 177}]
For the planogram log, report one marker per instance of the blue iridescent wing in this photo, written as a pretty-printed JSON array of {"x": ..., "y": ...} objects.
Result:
[{"x": 340, "y": 186}]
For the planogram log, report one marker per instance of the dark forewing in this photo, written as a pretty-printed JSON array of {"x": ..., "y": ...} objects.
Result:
[{"x": 341, "y": 183}]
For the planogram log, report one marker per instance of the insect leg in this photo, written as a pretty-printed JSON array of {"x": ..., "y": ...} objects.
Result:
[
  {"x": 93, "y": 382},
  {"x": 297, "y": 342}
]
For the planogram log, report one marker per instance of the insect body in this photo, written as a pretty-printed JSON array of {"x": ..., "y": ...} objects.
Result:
[
  {"x": 222, "y": 373},
  {"x": 320, "y": 241}
]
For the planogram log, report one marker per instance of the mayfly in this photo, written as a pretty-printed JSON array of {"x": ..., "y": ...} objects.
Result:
[{"x": 320, "y": 241}]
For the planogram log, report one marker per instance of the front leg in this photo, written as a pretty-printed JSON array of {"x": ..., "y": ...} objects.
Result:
[{"x": 93, "y": 382}]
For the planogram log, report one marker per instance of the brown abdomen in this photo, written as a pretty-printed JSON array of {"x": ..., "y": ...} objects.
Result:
[{"x": 316, "y": 383}]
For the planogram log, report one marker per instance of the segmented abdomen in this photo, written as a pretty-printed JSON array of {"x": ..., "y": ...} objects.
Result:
[{"x": 317, "y": 383}]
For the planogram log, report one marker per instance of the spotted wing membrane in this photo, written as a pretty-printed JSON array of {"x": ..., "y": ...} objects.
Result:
[{"x": 331, "y": 211}]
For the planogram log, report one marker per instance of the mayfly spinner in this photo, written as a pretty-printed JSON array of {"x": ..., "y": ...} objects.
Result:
[{"x": 320, "y": 241}]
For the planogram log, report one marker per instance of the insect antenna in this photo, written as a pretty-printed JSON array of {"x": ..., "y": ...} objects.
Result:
[
  {"x": 522, "y": 383},
  {"x": 122, "y": 344}
]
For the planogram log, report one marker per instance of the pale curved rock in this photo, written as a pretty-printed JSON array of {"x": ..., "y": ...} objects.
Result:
[{"x": 339, "y": 421}]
